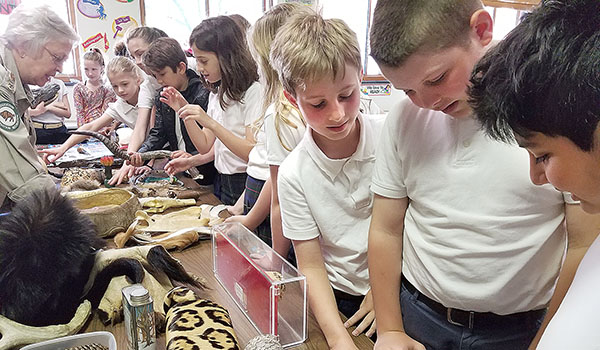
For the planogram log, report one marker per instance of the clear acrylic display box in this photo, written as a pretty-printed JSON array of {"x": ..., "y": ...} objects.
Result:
[{"x": 268, "y": 289}]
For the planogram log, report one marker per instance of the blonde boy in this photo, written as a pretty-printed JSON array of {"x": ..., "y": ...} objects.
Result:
[
  {"x": 479, "y": 247},
  {"x": 324, "y": 183}
]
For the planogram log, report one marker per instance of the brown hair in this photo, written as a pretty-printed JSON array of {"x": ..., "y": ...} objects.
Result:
[
  {"x": 148, "y": 34},
  {"x": 164, "y": 52},
  {"x": 402, "y": 27},
  {"x": 225, "y": 39}
]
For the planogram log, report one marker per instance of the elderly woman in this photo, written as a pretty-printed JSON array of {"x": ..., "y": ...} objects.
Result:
[{"x": 34, "y": 47}]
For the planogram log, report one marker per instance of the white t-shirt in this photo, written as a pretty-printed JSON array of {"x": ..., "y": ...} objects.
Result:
[
  {"x": 235, "y": 118},
  {"x": 282, "y": 139},
  {"x": 122, "y": 111},
  {"x": 478, "y": 235},
  {"x": 330, "y": 199},
  {"x": 148, "y": 91},
  {"x": 49, "y": 117},
  {"x": 575, "y": 324}
]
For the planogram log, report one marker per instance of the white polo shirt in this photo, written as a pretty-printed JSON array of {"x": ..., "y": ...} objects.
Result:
[
  {"x": 122, "y": 111},
  {"x": 148, "y": 90},
  {"x": 478, "y": 235},
  {"x": 575, "y": 324},
  {"x": 330, "y": 199},
  {"x": 235, "y": 118},
  {"x": 282, "y": 138}
]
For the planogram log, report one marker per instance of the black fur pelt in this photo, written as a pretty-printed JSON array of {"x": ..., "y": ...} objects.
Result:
[{"x": 47, "y": 250}]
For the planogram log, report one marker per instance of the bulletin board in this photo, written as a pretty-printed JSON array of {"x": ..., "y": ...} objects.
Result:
[{"x": 103, "y": 23}]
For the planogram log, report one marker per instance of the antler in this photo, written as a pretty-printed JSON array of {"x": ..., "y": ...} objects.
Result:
[{"x": 15, "y": 334}]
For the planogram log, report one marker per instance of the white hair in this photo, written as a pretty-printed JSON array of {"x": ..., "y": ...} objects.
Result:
[{"x": 32, "y": 27}]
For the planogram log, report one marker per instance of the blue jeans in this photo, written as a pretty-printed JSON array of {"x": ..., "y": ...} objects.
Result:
[{"x": 436, "y": 333}]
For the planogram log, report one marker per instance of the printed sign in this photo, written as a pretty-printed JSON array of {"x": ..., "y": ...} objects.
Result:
[
  {"x": 376, "y": 89},
  {"x": 6, "y": 6},
  {"x": 98, "y": 41},
  {"x": 121, "y": 24}
]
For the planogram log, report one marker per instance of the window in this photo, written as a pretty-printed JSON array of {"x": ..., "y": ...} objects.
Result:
[
  {"x": 249, "y": 9},
  {"x": 176, "y": 17},
  {"x": 61, "y": 8}
]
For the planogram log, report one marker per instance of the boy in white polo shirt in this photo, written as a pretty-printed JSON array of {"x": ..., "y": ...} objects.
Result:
[
  {"x": 324, "y": 183},
  {"x": 478, "y": 246}
]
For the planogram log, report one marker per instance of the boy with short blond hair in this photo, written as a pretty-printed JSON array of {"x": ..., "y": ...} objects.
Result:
[
  {"x": 454, "y": 212},
  {"x": 324, "y": 182},
  {"x": 168, "y": 63}
]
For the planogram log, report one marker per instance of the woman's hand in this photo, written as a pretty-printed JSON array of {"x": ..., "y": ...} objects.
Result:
[{"x": 50, "y": 155}]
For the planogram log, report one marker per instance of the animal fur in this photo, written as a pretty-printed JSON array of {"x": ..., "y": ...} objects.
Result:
[{"x": 47, "y": 250}]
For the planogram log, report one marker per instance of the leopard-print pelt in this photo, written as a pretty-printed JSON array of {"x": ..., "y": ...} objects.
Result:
[
  {"x": 73, "y": 175},
  {"x": 194, "y": 323}
]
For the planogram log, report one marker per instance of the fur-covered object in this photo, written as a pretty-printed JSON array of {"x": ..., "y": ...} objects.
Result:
[{"x": 47, "y": 251}]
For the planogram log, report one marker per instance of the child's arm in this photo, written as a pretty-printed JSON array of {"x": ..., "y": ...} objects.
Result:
[
  {"x": 60, "y": 108},
  {"x": 203, "y": 139},
  {"x": 109, "y": 96},
  {"x": 385, "y": 265},
  {"x": 182, "y": 161},
  {"x": 79, "y": 102},
  {"x": 320, "y": 295},
  {"x": 280, "y": 243},
  {"x": 259, "y": 211},
  {"x": 52, "y": 154},
  {"x": 140, "y": 130}
]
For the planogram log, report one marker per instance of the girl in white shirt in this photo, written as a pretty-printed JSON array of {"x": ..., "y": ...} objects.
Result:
[
  {"x": 125, "y": 78},
  {"x": 225, "y": 64}
]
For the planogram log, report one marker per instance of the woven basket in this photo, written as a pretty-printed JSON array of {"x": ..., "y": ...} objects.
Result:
[{"x": 111, "y": 209}]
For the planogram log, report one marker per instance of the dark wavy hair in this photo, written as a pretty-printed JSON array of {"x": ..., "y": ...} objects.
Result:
[
  {"x": 544, "y": 76},
  {"x": 222, "y": 36}
]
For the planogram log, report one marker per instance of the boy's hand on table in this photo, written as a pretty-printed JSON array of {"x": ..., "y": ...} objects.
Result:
[
  {"x": 366, "y": 313},
  {"x": 396, "y": 340}
]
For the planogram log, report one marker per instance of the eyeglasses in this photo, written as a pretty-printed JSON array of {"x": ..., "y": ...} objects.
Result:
[{"x": 55, "y": 58}]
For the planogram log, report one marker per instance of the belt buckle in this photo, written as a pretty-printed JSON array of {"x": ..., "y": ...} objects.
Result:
[{"x": 451, "y": 321}]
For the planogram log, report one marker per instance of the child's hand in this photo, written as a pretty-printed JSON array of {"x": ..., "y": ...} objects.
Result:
[
  {"x": 50, "y": 155},
  {"x": 344, "y": 344},
  {"x": 135, "y": 159},
  {"x": 366, "y": 312},
  {"x": 39, "y": 109},
  {"x": 178, "y": 165},
  {"x": 396, "y": 340},
  {"x": 126, "y": 171},
  {"x": 173, "y": 98},
  {"x": 195, "y": 112},
  {"x": 180, "y": 154}
]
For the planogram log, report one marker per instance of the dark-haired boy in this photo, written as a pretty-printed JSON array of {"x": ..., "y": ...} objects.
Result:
[
  {"x": 168, "y": 64},
  {"x": 549, "y": 102},
  {"x": 478, "y": 245}
]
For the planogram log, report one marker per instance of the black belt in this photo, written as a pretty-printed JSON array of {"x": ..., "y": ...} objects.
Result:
[{"x": 469, "y": 319}]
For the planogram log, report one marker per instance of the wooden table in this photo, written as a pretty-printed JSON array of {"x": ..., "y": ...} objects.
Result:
[{"x": 198, "y": 260}]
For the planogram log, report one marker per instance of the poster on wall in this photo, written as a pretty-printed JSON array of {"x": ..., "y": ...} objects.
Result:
[
  {"x": 102, "y": 23},
  {"x": 6, "y": 6}
]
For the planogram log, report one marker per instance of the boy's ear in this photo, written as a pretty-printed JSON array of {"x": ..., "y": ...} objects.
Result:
[
  {"x": 181, "y": 67},
  {"x": 483, "y": 26},
  {"x": 290, "y": 98}
]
